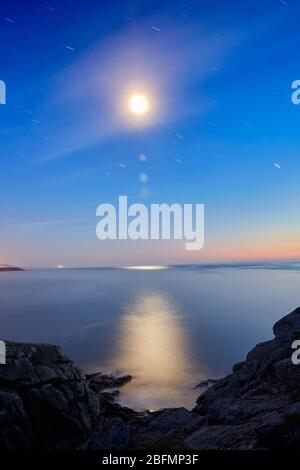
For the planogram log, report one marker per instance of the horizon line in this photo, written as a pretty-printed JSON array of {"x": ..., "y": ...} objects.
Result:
[{"x": 228, "y": 263}]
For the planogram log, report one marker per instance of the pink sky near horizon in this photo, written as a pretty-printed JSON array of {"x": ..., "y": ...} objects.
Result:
[{"x": 50, "y": 253}]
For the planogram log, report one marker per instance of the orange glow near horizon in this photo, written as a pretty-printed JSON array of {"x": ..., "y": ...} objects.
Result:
[
  {"x": 273, "y": 248},
  {"x": 153, "y": 255}
]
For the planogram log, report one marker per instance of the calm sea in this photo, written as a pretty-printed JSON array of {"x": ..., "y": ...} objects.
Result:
[{"x": 169, "y": 328}]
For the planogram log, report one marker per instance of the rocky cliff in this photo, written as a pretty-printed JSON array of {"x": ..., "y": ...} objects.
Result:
[{"x": 47, "y": 402}]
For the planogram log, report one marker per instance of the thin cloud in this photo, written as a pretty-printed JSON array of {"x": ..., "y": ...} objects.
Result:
[
  {"x": 46, "y": 223},
  {"x": 93, "y": 92},
  {"x": 7, "y": 206}
]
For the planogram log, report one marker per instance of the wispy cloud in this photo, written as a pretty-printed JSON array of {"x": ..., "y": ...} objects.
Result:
[
  {"x": 95, "y": 325},
  {"x": 7, "y": 206},
  {"x": 90, "y": 100},
  {"x": 45, "y": 223}
]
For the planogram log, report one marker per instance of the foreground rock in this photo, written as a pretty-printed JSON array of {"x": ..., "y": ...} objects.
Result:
[
  {"x": 256, "y": 407},
  {"x": 47, "y": 402},
  {"x": 99, "y": 382}
]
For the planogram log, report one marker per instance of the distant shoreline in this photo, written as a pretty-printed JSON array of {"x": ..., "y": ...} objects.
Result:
[
  {"x": 10, "y": 268},
  {"x": 290, "y": 264}
]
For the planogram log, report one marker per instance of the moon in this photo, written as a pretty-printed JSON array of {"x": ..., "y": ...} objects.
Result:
[{"x": 138, "y": 104}]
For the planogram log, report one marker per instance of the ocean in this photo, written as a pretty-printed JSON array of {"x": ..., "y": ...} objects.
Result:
[{"x": 169, "y": 328}]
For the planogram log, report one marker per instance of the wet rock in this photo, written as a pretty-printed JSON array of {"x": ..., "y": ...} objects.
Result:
[
  {"x": 47, "y": 402},
  {"x": 260, "y": 397},
  {"x": 205, "y": 384},
  {"x": 113, "y": 435},
  {"x": 99, "y": 382},
  {"x": 44, "y": 399},
  {"x": 163, "y": 429}
]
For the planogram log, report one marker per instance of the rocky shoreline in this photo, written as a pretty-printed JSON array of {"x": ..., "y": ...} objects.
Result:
[{"x": 47, "y": 402}]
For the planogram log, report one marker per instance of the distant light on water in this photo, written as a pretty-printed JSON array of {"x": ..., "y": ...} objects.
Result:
[{"x": 147, "y": 267}]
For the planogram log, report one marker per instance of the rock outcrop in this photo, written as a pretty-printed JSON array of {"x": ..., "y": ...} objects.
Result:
[
  {"x": 47, "y": 402},
  {"x": 255, "y": 407}
]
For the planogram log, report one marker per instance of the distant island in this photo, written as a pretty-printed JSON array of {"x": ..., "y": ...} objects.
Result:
[{"x": 7, "y": 267}]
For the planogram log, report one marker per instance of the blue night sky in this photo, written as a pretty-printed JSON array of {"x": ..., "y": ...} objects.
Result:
[{"x": 222, "y": 129}]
